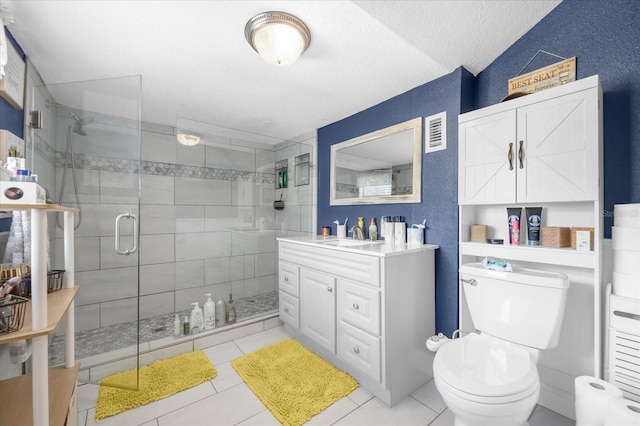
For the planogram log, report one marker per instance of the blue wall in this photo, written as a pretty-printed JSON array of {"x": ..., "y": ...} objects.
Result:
[
  {"x": 439, "y": 204},
  {"x": 604, "y": 36},
  {"x": 10, "y": 118}
]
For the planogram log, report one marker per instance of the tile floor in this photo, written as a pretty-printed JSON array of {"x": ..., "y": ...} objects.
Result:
[{"x": 226, "y": 400}]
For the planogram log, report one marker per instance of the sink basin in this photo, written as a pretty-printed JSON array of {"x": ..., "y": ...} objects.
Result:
[{"x": 349, "y": 243}]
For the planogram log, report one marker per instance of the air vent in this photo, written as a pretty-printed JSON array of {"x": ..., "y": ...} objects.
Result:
[{"x": 435, "y": 129}]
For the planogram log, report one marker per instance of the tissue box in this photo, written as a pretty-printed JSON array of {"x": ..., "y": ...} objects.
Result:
[
  {"x": 21, "y": 193},
  {"x": 555, "y": 236},
  {"x": 573, "y": 236},
  {"x": 479, "y": 233}
]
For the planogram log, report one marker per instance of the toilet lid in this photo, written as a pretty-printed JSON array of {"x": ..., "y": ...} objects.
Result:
[{"x": 484, "y": 366}]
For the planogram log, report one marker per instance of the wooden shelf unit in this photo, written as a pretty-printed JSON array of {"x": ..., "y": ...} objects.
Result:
[{"x": 43, "y": 397}]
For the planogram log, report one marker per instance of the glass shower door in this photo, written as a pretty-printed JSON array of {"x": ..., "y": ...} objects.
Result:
[{"x": 87, "y": 155}]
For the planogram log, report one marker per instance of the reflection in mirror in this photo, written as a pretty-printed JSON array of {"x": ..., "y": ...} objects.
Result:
[{"x": 380, "y": 167}]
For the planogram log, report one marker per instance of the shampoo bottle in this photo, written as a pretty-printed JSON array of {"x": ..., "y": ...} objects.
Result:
[
  {"x": 197, "y": 321},
  {"x": 361, "y": 225},
  {"x": 209, "y": 313},
  {"x": 221, "y": 311},
  {"x": 185, "y": 326},
  {"x": 373, "y": 229},
  {"x": 231, "y": 310},
  {"x": 176, "y": 326}
]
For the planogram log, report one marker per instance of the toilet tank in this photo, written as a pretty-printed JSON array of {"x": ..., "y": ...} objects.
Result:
[{"x": 525, "y": 306}]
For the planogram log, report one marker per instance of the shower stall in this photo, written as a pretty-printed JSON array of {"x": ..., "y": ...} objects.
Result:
[{"x": 193, "y": 219}]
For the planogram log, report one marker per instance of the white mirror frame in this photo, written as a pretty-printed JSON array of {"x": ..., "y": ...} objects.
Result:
[{"x": 414, "y": 197}]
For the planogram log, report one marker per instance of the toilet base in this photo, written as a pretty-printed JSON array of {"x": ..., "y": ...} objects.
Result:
[{"x": 470, "y": 413}]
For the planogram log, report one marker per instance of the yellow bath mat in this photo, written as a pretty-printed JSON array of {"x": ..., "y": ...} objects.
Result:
[
  {"x": 156, "y": 381},
  {"x": 292, "y": 382}
]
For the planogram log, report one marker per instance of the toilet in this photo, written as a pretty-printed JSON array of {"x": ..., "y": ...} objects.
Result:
[{"x": 490, "y": 377}]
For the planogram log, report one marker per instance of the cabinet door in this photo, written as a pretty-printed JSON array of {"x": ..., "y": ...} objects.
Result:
[
  {"x": 487, "y": 159},
  {"x": 560, "y": 149},
  {"x": 318, "y": 308}
]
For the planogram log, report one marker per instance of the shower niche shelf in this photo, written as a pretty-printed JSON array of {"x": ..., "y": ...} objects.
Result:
[{"x": 47, "y": 396}]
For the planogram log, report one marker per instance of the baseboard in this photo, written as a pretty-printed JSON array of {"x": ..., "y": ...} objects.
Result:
[{"x": 557, "y": 392}]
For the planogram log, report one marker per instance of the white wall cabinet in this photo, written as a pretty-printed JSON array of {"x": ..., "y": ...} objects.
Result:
[
  {"x": 545, "y": 151},
  {"x": 368, "y": 311},
  {"x": 559, "y": 168}
]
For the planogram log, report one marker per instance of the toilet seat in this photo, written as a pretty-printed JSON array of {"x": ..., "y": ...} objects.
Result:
[{"x": 487, "y": 370}]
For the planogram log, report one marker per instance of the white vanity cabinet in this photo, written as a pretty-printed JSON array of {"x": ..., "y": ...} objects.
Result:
[
  {"x": 368, "y": 310},
  {"x": 544, "y": 150},
  {"x": 558, "y": 168}
]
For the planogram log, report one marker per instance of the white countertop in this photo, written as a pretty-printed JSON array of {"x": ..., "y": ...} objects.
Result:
[{"x": 375, "y": 248}]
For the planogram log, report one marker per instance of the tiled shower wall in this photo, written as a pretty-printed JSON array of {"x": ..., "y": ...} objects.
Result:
[{"x": 207, "y": 223}]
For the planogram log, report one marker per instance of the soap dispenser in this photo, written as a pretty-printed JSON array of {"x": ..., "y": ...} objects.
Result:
[
  {"x": 176, "y": 326},
  {"x": 221, "y": 311},
  {"x": 231, "y": 310},
  {"x": 197, "y": 321},
  {"x": 209, "y": 313}
]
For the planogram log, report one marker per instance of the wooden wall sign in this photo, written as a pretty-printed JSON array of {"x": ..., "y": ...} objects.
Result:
[{"x": 544, "y": 78}]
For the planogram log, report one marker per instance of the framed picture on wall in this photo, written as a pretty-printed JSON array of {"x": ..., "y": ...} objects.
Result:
[{"x": 12, "y": 83}]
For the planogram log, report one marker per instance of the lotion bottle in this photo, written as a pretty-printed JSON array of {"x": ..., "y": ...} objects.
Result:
[
  {"x": 197, "y": 321},
  {"x": 209, "y": 313},
  {"x": 373, "y": 229},
  {"x": 221, "y": 311}
]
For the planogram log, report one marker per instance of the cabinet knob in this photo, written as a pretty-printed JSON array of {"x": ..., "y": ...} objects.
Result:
[
  {"x": 330, "y": 289},
  {"x": 356, "y": 350},
  {"x": 356, "y": 306},
  {"x": 286, "y": 310},
  {"x": 286, "y": 278}
]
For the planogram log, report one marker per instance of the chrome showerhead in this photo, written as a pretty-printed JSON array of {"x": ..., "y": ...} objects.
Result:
[{"x": 79, "y": 122}]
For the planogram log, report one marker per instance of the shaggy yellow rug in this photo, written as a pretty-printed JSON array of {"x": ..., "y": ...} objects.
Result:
[
  {"x": 292, "y": 382},
  {"x": 156, "y": 381}
]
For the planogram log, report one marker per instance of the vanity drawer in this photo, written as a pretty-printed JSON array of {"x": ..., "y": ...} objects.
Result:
[
  {"x": 289, "y": 310},
  {"x": 288, "y": 278},
  {"x": 359, "y": 349},
  {"x": 359, "y": 306},
  {"x": 354, "y": 266}
]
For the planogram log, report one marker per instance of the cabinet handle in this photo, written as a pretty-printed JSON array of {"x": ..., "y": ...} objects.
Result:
[
  {"x": 356, "y": 350},
  {"x": 356, "y": 306},
  {"x": 510, "y": 156},
  {"x": 521, "y": 154},
  {"x": 330, "y": 289}
]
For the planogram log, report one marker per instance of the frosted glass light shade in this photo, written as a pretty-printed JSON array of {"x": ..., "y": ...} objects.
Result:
[
  {"x": 187, "y": 139},
  {"x": 278, "y": 37}
]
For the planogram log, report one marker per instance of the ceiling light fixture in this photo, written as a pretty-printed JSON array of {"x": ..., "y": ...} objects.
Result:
[
  {"x": 187, "y": 139},
  {"x": 280, "y": 38}
]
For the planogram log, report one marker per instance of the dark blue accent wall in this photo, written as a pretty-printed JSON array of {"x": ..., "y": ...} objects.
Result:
[
  {"x": 10, "y": 118},
  {"x": 439, "y": 204},
  {"x": 604, "y": 36}
]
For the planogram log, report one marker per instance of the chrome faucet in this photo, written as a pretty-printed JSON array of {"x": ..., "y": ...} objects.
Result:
[{"x": 358, "y": 233}]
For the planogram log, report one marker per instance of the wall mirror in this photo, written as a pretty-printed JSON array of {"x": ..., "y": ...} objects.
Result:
[{"x": 381, "y": 167}]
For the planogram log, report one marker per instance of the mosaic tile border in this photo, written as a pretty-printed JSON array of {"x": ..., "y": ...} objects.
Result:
[{"x": 114, "y": 164}]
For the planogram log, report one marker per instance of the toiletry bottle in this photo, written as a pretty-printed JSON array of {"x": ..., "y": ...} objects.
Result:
[
  {"x": 185, "y": 326},
  {"x": 231, "y": 310},
  {"x": 197, "y": 321},
  {"x": 176, "y": 326},
  {"x": 221, "y": 311},
  {"x": 209, "y": 313},
  {"x": 373, "y": 229},
  {"x": 361, "y": 226}
]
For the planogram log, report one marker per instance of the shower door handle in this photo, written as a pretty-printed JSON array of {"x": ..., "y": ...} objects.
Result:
[{"x": 133, "y": 249}]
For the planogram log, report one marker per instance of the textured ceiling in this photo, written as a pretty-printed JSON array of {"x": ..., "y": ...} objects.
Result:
[{"x": 195, "y": 62}]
